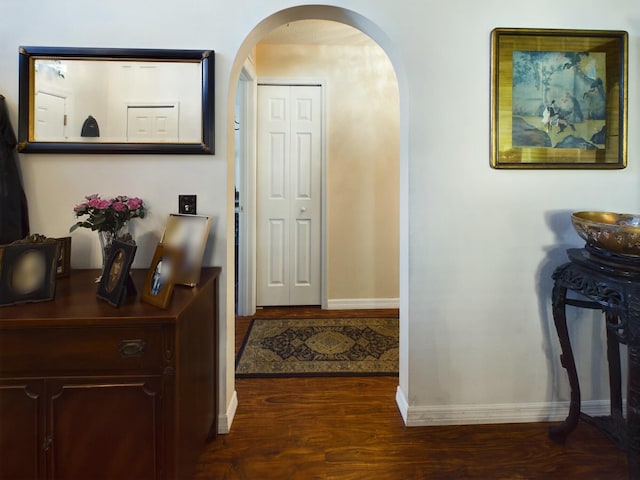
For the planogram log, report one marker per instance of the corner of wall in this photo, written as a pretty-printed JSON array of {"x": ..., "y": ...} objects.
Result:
[
  {"x": 403, "y": 405},
  {"x": 226, "y": 419}
]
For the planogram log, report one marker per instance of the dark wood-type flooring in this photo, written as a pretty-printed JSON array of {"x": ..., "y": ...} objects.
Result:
[{"x": 350, "y": 428}]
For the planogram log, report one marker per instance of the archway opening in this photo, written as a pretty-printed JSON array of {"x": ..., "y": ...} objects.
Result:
[{"x": 350, "y": 18}]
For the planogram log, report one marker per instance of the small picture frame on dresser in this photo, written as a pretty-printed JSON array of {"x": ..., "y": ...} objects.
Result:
[
  {"x": 161, "y": 277},
  {"x": 189, "y": 234},
  {"x": 28, "y": 270},
  {"x": 115, "y": 283},
  {"x": 64, "y": 257}
]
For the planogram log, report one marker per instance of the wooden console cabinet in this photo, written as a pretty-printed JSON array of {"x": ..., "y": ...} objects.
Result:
[{"x": 89, "y": 391}]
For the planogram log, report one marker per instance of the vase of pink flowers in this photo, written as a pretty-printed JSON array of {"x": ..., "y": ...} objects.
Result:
[{"x": 109, "y": 217}]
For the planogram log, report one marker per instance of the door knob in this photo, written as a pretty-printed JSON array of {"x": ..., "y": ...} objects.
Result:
[{"x": 303, "y": 209}]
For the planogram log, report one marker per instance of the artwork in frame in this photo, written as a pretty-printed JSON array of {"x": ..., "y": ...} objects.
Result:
[
  {"x": 28, "y": 270},
  {"x": 161, "y": 277},
  {"x": 188, "y": 233},
  {"x": 63, "y": 267},
  {"x": 116, "y": 284},
  {"x": 558, "y": 99}
]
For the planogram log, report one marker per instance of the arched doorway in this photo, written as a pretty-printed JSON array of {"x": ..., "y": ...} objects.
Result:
[{"x": 336, "y": 14}]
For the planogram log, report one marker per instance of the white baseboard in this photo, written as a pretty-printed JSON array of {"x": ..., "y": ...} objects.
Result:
[
  {"x": 226, "y": 419},
  {"x": 438, "y": 415},
  {"x": 362, "y": 303},
  {"x": 403, "y": 405}
]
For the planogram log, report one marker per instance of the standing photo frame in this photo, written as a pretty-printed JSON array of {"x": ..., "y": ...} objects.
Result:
[
  {"x": 161, "y": 277},
  {"x": 189, "y": 234},
  {"x": 28, "y": 270},
  {"x": 64, "y": 258},
  {"x": 558, "y": 99},
  {"x": 116, "y": 284}
]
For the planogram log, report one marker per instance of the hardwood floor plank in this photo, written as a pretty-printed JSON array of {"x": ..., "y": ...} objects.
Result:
[{"x": 350, "y": 428}]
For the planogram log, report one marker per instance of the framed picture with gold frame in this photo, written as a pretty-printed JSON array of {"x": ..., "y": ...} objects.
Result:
[
  {"x": 558, "y": 99},
  {"x": 161, "y": 276},
  {"x": 189, "y": 234}
]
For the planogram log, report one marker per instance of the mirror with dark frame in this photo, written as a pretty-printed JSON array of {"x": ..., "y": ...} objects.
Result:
[{"x": 95, "y": 100}]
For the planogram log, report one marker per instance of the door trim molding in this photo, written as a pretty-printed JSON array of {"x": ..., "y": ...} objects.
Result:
[
  {"x": 247, "y": 179},
  {"x": 320, "y": 82}
]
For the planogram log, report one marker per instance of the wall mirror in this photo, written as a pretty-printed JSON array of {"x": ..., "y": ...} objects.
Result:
[{"x": 89, "y": 100}]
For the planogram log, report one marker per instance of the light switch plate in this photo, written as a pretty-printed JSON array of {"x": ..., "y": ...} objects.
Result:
[{"x": 187, "y": 204}]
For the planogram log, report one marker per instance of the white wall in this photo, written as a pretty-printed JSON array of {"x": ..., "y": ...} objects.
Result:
[
  {"x": 171, "y": 83},
  {"x": 477, "y": 245},
  {"x": 78, "y": 87}
]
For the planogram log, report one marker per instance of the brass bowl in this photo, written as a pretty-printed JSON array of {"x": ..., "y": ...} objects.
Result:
[{"x": 614, "y": 232}]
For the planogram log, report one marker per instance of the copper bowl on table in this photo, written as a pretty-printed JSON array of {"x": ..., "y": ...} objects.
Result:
[{"x": 617, "y": 233}]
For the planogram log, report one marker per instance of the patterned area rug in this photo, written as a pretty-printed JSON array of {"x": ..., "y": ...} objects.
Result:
[{"x": 316, "y": 347}]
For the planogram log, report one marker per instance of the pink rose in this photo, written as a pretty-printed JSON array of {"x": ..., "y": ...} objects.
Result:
[
  {"x": 103, "y": 204},
  {"x": 95, "y": 196},
  {"x": 80, "y": 207},
  {"x": 119, "y": 207},
  {"x": 94, "y": 202},
  {"x": 134, "y": 203}
]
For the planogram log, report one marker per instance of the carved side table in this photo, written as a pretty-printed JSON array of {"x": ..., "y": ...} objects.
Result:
[{"x": 610, "y": 283}]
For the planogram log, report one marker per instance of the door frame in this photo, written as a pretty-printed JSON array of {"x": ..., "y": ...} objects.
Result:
[
  {"x": 248, "y": 89},
  {"x": 247, "y": 283}
]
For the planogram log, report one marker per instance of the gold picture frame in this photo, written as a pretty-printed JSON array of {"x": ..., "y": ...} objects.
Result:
[
  {"x": 558, "y": 99},
  {"x": 161, "y": 276},
  {"x": 189, "y": 234}
]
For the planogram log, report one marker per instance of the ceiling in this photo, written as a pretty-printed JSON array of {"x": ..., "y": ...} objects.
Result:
[{"x": 316, "y": 32}]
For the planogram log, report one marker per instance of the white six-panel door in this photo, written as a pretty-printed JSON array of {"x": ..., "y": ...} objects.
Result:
[
  {"x": 50, "y": 117},
  {"x": 289, "y": 176}
]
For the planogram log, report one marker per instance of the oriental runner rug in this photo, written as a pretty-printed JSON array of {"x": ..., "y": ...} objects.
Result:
[{"x": 319, "y": 347}]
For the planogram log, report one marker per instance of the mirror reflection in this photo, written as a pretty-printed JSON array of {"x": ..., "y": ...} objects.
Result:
[{"x": 116, "y": 101}]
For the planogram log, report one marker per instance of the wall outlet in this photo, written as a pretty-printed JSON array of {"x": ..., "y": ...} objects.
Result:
[{"x": 187, "y": 204}]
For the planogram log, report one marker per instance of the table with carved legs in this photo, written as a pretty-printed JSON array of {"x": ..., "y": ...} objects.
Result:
[{"x": 610, "y": 283}]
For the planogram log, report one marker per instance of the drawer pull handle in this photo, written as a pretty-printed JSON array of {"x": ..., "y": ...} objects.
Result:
[{"x": 132, "y": 348}]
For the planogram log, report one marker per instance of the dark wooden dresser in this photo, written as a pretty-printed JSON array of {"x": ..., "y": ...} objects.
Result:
[{"x": 89, "y": 391}]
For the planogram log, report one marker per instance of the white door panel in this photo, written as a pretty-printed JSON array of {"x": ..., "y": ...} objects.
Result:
[
  {"x": 278, "y": 168},
  {"x": 304, "y": 166},
  {"x": 303, "y": 254},
  {"x": 289, "y": 186},
  {"x": 277, "y": 253},
  {"x": 50, "y": 117},
  {"x": 152, "y": 124}
]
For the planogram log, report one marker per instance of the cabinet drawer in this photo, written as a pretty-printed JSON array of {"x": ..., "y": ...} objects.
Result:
[{"x": 70, "y": 351}]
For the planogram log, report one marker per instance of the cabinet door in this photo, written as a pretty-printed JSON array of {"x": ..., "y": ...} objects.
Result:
[
  {"x": 21, "y": 430},
  {"x": 105, "y": 428}
]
